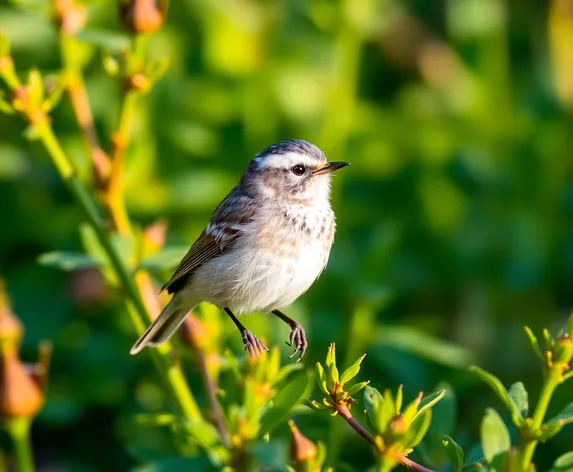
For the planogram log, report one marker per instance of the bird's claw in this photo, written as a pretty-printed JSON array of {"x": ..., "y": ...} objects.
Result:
[
  {"x": 253, "y": 345},
  {"x": 298, "y": 340}
]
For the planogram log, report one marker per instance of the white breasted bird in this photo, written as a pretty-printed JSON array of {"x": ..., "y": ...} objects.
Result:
[{"x": 265, "y": 245}]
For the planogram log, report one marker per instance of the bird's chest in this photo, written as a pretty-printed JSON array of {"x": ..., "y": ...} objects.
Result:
[{"x": 298, "y": 243}]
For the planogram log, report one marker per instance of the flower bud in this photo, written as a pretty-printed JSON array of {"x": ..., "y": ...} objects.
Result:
[
  {"x": 302, "y": 448},
  {"x": 20, "y": 395},
  {"x": 69, "y": 15},
  {"x": 141, "y": 16},
  {"x": 563, "y": 349}
]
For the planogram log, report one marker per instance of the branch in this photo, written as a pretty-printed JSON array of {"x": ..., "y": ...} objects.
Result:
[
  {"x": 344, "y": 413},
  {"x": 69, "y": 18}
]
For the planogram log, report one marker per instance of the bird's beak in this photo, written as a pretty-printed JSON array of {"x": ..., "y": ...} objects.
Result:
[{"x": 331, "y": 167}]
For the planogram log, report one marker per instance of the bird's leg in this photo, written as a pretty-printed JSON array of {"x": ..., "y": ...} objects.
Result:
[
  {"x": 297, "y": 335},
  {"x": 251, "y": 342}
]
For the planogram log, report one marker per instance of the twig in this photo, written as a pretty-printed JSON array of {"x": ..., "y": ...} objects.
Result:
[
  {"x": 70, "y": 17},
  {"x": 344, "y": 413},
  {"x": 80, "y": 104}
]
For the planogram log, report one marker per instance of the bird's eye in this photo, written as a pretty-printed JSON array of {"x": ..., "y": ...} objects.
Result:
[{"x": 299, "y": 169}]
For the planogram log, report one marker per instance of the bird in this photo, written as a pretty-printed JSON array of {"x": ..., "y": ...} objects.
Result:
[{"x": 265, "y": 245}]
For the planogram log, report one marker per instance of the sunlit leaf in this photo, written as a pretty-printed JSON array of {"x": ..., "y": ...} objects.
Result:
[
  {"x": 534, "y": 343},
  {"x": 418, "y": 429},
  {"x": 352, "y": 371},
  {"x": 321, "y": 378},
  {"x": 497, "y": 386},
  {"x": 518, "y": 395},
  {"x": 564, "y": 463},
  {"x": 563, "y": 418},
  {"x": 428, "y": 402},
  {"x": 495, "y": 438},
  {"x": 354, "y": 389}
]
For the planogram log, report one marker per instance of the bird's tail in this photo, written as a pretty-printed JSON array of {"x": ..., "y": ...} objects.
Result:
[{"x": 163, "y": 326}]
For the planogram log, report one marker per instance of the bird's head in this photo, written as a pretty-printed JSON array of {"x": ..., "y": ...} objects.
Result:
[{"x": 291, "y": 171}]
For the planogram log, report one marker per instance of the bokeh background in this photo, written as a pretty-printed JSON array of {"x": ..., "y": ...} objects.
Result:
[{"x": 455, "y": 220}]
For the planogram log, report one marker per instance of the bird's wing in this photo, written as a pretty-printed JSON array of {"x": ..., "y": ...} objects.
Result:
[{"x": 224, "y": 230}]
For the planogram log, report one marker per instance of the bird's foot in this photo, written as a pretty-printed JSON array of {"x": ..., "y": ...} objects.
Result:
[
  {"x": 253, "y": 345},
  {"x": 298, "y": 340}
]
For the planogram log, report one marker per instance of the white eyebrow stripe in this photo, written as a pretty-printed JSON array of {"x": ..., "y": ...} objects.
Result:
[{"x": 287, "y": 160}]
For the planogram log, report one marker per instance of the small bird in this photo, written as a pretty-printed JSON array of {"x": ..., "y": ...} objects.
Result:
[{"x": 265, "y": 245}]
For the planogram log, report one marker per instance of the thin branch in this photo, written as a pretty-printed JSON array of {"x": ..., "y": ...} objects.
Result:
[
  {"x": 344, "y": 413},
  {"x": 80, "y": 104}
]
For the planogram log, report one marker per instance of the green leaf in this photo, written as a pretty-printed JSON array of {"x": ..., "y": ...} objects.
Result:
[
  {"x": 570, "y": 325},
  {"x": 563, "y": 418},
  {"x": 357, "y": 387},
  {"x": 428, "y": 402},
  {"x": 497, "y": 386},
  {"x": 454, "y": 452},
  {"x": 564, "y": 463},
  {"x": 534, "y": 343},
  {"x": 331, "y": 369},
  {"x": 68, "y": 261},
  {"x": 547, "y": 431},
  {"x": 518, "y": 395},
  {"x": 321, "y": 378},
  {"x": 35, "y": 88},
  {"x": 418, "y": 429},
  {"x": 495, "y": 438},
  {"x": 283, "y": 403},
  {"x": 352, "y": 371},
  {"x": 549, "y": 341},
  {"x": 164, "y": 259},
  {"x": 384, "y": 411},
  {"x": 371, "y": 397}
]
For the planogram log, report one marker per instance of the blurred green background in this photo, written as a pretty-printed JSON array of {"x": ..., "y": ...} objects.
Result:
[{"x": 455, "y": 223}]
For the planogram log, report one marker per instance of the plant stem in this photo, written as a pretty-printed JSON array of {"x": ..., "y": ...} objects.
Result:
[
  {"x": 163, "y": 356},
  {"x": 551, "y": 381},
  {"x": 344, "y": 413},
  {"x": 120, "y": 139},
  {"x": 79, "y": 100},
  {"x": 19, "y": 431}
]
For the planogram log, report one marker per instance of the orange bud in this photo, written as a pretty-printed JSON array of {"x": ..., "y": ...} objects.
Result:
[
  {"x": 20, "y": 395},
  {"x": 141, "y": 16},
  {"x": 69, "y": 15},
  {"x": 302, "y": 448}
]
